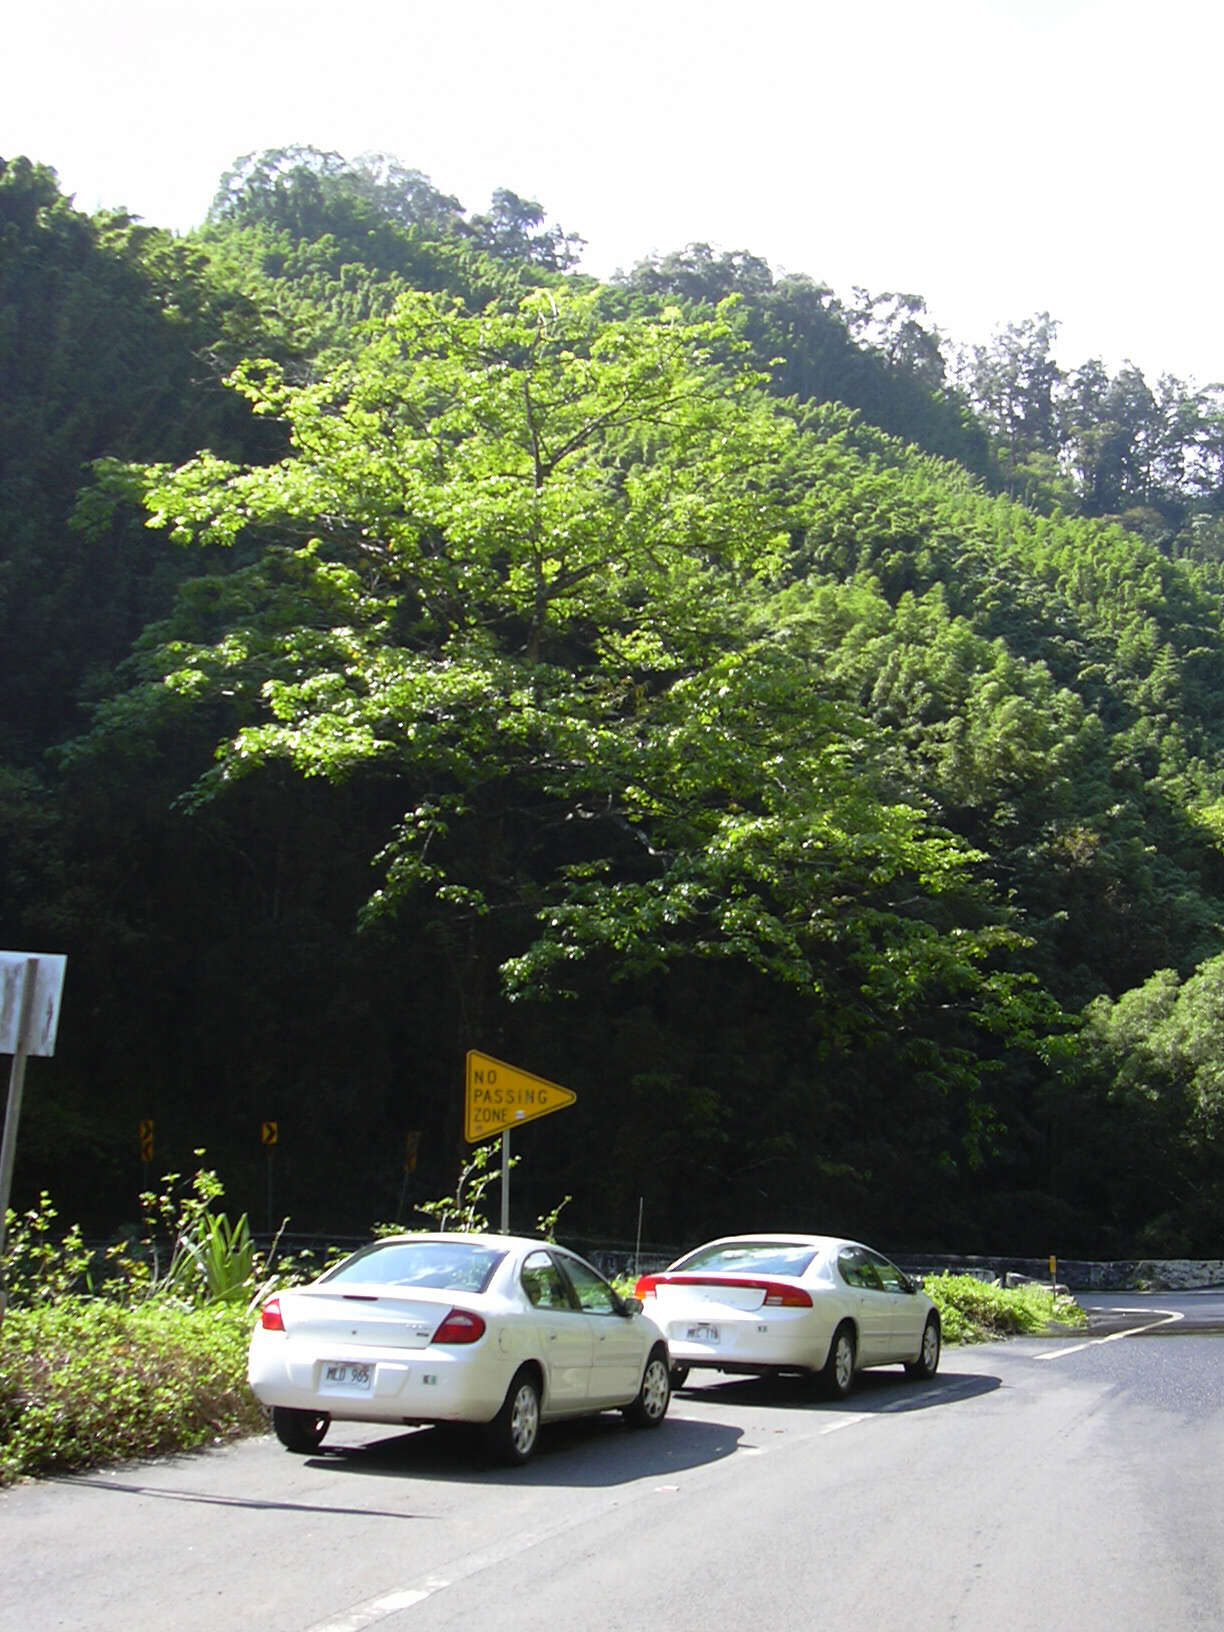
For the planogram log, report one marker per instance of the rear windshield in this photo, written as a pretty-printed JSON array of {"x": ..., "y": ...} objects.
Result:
[
  {"x": 458, "y": 1266},
  {"x": 757, "y": 1257}
]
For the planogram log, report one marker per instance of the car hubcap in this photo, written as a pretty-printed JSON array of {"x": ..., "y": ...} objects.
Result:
[
  {"x": 930, "y": 1347},
  {"x": 524, "y": 1420},
  {"x": 845, "y": 1362},
  {"x": 654, "y": 1389}
]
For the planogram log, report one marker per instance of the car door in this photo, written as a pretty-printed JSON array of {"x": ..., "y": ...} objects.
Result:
[
  {"x": 905, "y": 1310},
  {"x": 564, "y": 1339},
  {"x": 873, "y": 1313},
  {"x": 619, "y": 1355}
]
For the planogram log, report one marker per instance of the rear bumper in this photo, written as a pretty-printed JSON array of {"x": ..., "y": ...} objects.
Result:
[
  {"x": 427, "y": 1386},
  {"x": 750, "y": 1348}
]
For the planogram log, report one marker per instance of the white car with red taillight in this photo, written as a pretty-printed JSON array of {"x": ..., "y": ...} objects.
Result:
[
  {"x": 430, "y": 1328},
  {"x": 811, "y": 1304}
]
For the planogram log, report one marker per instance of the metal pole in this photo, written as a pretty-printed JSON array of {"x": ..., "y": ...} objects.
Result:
[
  {"x": 8, "y": 1147},
  {"x": 505, "y": 1184}
]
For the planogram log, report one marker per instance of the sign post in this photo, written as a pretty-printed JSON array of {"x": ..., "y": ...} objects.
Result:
[
  {"x": 498, "y": 1097},
  {"x": 30, "y": 988},
  {"x": 412, "y": 1149},
  {"x": 269, "y": 1133}
]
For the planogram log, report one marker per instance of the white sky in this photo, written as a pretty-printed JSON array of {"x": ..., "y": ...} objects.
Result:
[{"x": 998, "y": 157}]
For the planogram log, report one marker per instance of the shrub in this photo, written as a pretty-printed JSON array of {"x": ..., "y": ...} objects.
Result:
[
  {"x": 972, "y": 1311},
  {"x": 86, "y": 1381}
]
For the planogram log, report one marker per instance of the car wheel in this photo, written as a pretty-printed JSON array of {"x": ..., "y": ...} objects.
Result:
[
  {"x": 512, "y": 1434},
  {"x": 678, "y": 1376},
  {"x": 650, "y": 1407},
  {"x": 927, "y": 1363},
  {"x": 837, "y": 1374},
  {"x": 300, "y": 1431}
]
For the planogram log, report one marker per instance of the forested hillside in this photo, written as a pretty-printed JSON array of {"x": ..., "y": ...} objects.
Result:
[{"x": 801, "y": 738}]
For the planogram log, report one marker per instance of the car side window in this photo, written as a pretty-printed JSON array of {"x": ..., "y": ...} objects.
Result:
[
  {"x": 848, "y": 1267},
  {"x": 594, "y": 1294},
  {"x": 858, "y": 1270},
  {"x": 544, "y": 1284},
  {"x": 891, "y": 1278}
]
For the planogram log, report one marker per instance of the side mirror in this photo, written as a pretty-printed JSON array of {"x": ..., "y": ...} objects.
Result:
[{"x": 631, "y": 1306}]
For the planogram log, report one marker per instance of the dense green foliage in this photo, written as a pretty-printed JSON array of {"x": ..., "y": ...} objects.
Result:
[
  {"x": 973, "y": 1311},
  {"x": 88, "y": 1382},
  {"x": 700, "y": 690},
  {"x": 134, "y": 1351}
]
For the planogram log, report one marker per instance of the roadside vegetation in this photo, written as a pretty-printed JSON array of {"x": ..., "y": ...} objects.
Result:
[
  {"x": 137, "y": 1352},
  {"x": 142, "y": 1352},
  {"x": 973, "y": 1311}
]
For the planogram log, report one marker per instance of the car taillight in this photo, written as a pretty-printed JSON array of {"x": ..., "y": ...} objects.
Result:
[
  {"x": 270, "y": 1317},
  {"x": 460, "y": 1326},
  {"x": 780, "y": 1296},
  {"x": 646, "y": 1287}
]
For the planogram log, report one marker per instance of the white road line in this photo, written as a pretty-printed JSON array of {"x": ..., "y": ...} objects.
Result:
[
  {"x": 377, "y": 1609},
  {"x": 844, "y": 1422},
  {"x": 389, "y": 1603},
  {"x": 1170, "y": 1316}
]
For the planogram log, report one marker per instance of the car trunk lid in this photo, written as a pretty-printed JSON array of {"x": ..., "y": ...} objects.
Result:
[
  {"x": 373, "y": 1316},
  {"x": 747, "y": 1293}
]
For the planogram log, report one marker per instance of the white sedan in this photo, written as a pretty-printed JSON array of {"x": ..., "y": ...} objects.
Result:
[
  {"x": 814, "y": 1304},
  {"x": 489, "y": 1329}
]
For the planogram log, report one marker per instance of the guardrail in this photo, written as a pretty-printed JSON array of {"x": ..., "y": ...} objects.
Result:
[{"x": 616, "y": 1258}]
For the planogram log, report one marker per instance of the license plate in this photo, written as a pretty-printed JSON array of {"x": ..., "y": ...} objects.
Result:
[
  {"x": 702, "y": 1334},
  {"x": 347, "y": 1375}
]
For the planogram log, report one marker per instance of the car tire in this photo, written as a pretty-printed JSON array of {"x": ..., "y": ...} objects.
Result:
[
  {"x": 650, "y": 1406},
  {"x": 299, "y": 1431},
  {"x": 512, "y": 1435},
  {"x": 927, "y": 1363},
  {"x": 837, "y": 1373},
  {"x": 677, "y": 1377}
]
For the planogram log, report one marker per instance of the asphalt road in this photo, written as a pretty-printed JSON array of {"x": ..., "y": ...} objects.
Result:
[{"x": 1067, "y": 1482}]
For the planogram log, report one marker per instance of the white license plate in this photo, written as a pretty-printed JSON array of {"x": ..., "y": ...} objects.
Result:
[
  {"x": 702, "y": 1334},
  {"x": 347, "y": 1375}
]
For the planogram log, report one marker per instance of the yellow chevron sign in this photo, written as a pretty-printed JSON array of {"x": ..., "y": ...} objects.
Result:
[{"x": 500, "y": 1096}]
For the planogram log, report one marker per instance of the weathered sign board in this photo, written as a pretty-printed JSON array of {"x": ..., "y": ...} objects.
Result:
[
  {"x": 44, "y": 1010},
  {"x": 30, "y": 988}
]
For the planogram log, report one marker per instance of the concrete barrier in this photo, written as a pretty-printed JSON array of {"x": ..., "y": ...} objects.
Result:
[{"x": 1074, "y": 1274}]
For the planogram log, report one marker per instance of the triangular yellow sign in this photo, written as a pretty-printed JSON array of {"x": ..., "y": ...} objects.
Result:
[{"x": 499, "y": 1096}]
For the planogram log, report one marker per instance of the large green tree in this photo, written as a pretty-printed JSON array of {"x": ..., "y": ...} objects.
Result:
[{"x": 519, "y": 569}]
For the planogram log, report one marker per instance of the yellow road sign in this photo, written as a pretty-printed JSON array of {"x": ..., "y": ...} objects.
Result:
[
  {"x": 500, "y": 1096},
  {"x": 144, "y": 1132},
  {"x": 268, "y": 1132}
]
